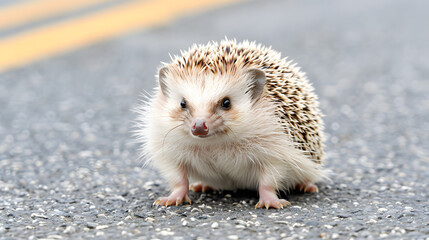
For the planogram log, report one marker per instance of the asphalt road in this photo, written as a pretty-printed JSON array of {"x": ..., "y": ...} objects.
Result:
[{"x": 69, "y": 168}]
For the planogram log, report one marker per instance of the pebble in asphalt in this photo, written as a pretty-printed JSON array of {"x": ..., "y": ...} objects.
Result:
[{"x": 68, "y": 165}]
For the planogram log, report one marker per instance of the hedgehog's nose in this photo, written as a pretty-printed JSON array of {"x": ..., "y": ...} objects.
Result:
[{"x": 199, "y": 128}]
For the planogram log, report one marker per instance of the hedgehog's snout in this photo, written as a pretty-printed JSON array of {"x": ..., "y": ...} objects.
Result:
[{"x": 199, "y": 128}]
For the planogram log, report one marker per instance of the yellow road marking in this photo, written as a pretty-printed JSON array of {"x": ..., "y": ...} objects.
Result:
[
  {"x": 39, "y": 43},
  {"x": 32, "y": 10}
]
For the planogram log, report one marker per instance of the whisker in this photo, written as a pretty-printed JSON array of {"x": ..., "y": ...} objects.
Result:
[{"x": 165, "y": 136}]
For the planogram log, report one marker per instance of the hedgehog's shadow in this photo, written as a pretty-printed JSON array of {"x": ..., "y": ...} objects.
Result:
[{"x": 252, "y": 195}]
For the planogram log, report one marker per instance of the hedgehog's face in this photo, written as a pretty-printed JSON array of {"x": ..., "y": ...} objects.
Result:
[{"x": 209, "y": 106}]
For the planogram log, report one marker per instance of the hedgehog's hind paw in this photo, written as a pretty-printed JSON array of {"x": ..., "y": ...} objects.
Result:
[
  {"x": 200, "y": 187},
  {"x": 307, "y": 187}
]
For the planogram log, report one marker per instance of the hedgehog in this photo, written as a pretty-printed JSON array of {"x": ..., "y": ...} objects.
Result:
[{"x": 232, "y": 115}]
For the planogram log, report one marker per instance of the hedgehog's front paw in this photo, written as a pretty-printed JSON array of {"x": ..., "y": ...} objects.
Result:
[
  {"x": 274, "y": 203},
  {"x": 175, "y": 198},
  {"x": 200, "y": 187},
  {"x": 268, "y": 198}
]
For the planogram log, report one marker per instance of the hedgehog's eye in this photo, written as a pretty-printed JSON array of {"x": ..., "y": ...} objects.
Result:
[
  {"x": 183, "y": 103},
  {"x": 226, "y": 103}
]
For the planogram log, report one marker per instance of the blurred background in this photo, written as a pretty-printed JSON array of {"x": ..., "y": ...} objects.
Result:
[{"x": 71, "y": 70}]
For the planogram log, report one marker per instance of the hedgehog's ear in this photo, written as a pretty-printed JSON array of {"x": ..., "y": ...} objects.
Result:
[
  {"x": 257, "y": 82},
  {"x": 162, "y": 80}
]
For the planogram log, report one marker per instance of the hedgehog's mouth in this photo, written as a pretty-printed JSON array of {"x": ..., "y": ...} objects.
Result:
[
  {"x": 204, "y": 136},
  {"x": 208, "y": 136}
]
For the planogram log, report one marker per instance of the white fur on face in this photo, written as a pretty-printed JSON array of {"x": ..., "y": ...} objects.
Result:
[{"x": 203, "y": 96}]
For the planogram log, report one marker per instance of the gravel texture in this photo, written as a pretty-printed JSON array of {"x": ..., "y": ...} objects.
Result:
[{"x": 69, "y": 168}]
